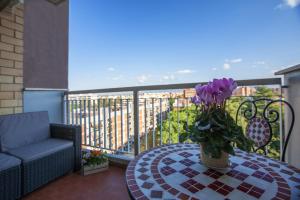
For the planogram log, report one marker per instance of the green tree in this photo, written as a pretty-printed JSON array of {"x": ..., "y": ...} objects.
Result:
[{"x": 178, "y": 121}]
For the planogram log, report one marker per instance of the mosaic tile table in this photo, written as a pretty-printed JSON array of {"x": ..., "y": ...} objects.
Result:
[{"x": 175, "y": 172}]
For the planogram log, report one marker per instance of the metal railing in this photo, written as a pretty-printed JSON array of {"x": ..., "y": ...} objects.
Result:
[{"x": 133, "y": 119}]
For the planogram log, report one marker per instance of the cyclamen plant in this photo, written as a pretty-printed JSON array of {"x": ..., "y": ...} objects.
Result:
[{"x": 215, "y": 129}]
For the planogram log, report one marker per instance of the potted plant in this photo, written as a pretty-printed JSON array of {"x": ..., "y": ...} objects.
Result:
[
  {"x": 214, "y": 129},
  {"x": 94, "y": 161}
]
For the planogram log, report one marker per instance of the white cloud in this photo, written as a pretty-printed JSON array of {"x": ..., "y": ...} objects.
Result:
[
  {"x": 214, "y": 68},
  {"x": 228, "y": 62},
  {"x": 166, "y": 77},
  {"x": 226, "y": 66},
  {"x": 111, "y": 69},
  {"x": 143, "y": 78},
  {"x": 185, "y": 71},
  {"x": 288, "y": 4},
  {"x": 236, "y": 60},
  {"x": 292, "y": 3}
]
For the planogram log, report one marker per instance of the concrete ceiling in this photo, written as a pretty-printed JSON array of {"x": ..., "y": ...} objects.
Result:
[
  {"x": 56, "y": 1},
  {"x": 4, "y": 3}
]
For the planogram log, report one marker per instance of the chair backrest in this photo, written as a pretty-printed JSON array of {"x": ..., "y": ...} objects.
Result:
[
  {"x": 260, "y": 115},
  {"x": 23, "y": 129}
]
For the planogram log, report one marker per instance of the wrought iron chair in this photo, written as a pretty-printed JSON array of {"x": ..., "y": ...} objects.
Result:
[{"x": 259, "y": 128}]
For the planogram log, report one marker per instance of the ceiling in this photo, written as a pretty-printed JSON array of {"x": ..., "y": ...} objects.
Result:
[
  {"x": 5, "y": 3},
  {"x": 56, "y": 1}
]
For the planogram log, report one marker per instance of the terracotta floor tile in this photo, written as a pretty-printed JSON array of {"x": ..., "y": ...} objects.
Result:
[{"x": 109, "y": 185}]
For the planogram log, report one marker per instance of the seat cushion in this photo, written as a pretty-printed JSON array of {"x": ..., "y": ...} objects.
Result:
[
  {"x": 41, "y": 149},
  {"x": 7, "y": 161},
  {"x": 23, "y": 129}
]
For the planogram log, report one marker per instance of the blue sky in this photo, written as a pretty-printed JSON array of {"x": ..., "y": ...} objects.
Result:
[{"x": 118, "y": 43}]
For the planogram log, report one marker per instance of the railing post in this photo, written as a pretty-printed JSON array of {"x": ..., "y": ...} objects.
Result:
[
  {"x": 64, "y": 106},
  {"x": 281, "y": 136},
  {"x": 136, "y": 122}
]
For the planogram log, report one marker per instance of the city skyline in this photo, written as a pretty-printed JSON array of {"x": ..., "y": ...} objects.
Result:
[{"x": 162, "y": 42}]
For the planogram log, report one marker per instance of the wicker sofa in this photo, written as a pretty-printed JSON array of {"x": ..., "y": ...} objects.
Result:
[{"x": 38, "y": 152}]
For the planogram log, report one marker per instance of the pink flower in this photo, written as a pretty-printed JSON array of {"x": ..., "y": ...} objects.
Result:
[
  {"x": 215, "y": 92},
  {"x": 196, "y": 100}
]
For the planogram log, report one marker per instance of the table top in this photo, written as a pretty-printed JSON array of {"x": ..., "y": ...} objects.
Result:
[{"x": 175, "y": 172}]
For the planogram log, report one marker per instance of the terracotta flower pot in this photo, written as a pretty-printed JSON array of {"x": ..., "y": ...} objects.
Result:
[{"x": 216, "y": 163}]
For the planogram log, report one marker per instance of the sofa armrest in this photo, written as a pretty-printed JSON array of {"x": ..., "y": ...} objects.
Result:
[{"x": 69, "y": 132}]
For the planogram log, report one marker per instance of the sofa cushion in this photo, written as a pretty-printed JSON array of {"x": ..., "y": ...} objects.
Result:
[
  {"x": 41, "y": 149},
  {"x": 23, "y": 129},
  {"x": 7, "y": 161}
]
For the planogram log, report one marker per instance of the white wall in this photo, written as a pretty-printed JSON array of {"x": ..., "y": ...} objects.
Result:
[{"x": 292, "y": 80}]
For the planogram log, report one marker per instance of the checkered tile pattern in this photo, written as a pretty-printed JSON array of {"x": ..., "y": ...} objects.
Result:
[
  {"x": 175, "y": 172},
  {"x": 192, "y": 185},
  {"x": 259, "y": 131}
]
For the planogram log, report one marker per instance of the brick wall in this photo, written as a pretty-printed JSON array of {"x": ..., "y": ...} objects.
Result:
[{"x": 11, "y": 60}]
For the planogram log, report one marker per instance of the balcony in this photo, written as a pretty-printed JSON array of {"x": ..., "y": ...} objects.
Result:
[{"x": 125, "y": 122}]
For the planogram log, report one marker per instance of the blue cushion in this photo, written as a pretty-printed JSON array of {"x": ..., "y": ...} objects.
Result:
[
  {"x": 7, "y": 161},
  {"x": 41, "y": 149},
  {"x": 23, "y": 129}
]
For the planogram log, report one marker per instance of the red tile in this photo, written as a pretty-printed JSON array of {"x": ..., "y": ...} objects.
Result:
[
  {"x": 193, "y": 189},
  {"x": 173, "y": 191},
  {"x": 243, "y": 189},
  {"x": 284, "y": 191},
  {"x": 131, "y": 182},
  {"x": 167, "y": 170},
  {"x": 185, "y": 185},
  {"x": 258, "y": 190},
  {"x": 166, "y": 186},
  {"x": 187, "y": 162},
  {"x": 133, "y": 187},
  {"x": 287, "y": 172},
  {"x": 228, "y": 188},
  {"x": 218, "y": 183},
  {"x": 142, "y": 170},
  {"x": 185, "y": 154},
  {"x": 183, "y": 196},
  {"x": 137, "y": 194},
  {"x": 283, "y": 185},
  {"x": 160, "y": 180},
  {"x": 191, "y": 182},
  {"x": 297, "y": 180},
  {"x": 156, "y": 194},
  {"x": 246, "y": 185},
  {"x": 282, "y": 196},
  {"x": 147, "y": 185},
  {"x": 143, "y": 177},
  {"x": 199, "y": 186},
  {"x": 213, "y": 187},
  {"x": 255, "y": 194},
  {"x": 168, "y": 161},
  {"x": 223, "y": 192}
]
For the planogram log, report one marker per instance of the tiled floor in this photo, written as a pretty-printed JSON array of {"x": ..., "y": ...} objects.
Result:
[{"x": 108, "y": 185}]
